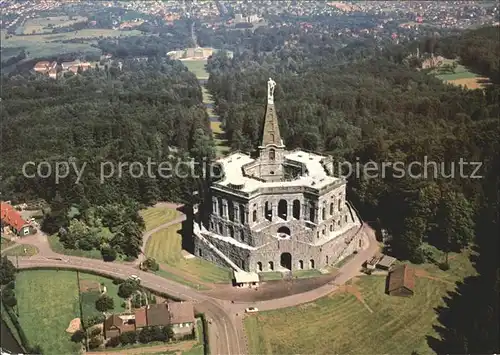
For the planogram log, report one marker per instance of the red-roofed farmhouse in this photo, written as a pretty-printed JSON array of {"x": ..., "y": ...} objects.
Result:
[{"x": 13, "y": 219}]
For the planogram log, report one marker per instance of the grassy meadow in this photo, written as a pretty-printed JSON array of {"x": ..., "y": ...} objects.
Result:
[
  {"x": 156, "y": 216},
  {"x": 40, "y": 24},
  {"x": 46, "y": 45},
  {"x": 365, "y": 321},
  {"x": 166, "y": 247},
  {"x": 462, "y": 76},
  {"x": 48, "y": 301},
  {"x": 197, "y": 67},
  {"x": 22, "y": 250}
]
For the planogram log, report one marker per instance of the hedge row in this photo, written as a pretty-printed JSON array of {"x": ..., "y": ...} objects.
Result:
[
  {"x": 13, "y": 318},
  {"x": 204, "y": 322}
]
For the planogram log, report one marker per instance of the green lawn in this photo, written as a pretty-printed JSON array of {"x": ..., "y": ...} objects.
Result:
[
  {"x": 197, "y": 67},
  {"x": 341, "y": 324},
  {"x": 111, "y": 289},
  {"x": 271, "y": 275},
  {"x": 304, "y": 274},
  {"x": 22, "y": 250},
  {"x": 461, "y": 72},
  {"x": 165, "y": 247},
  {"x": 48, "y": 301},
  {"x": 156, "y": 216}
]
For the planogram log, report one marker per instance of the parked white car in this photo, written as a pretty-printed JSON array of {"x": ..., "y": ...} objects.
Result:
[
  {"x": 135, "y": 278},
  {"x": 251, "y": 310}
]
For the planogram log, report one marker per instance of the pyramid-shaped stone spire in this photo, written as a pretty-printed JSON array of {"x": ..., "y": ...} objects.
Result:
[{"x": 271, "y": 133}]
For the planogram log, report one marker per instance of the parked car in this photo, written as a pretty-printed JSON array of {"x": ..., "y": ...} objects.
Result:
[
  {"x": 135, "y": 278},
  {"x": 251, "y": 310}
]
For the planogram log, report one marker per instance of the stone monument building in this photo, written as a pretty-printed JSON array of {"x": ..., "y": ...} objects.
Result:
[{"x": 283, "y": 211}]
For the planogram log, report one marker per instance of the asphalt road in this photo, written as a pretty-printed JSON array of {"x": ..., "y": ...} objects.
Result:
[
  {"x": 223, "y": 333},
  {"x": 226, "y": 333}
]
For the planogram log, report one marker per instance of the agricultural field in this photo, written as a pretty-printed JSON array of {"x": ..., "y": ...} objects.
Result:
[
  {"x": 156, "y": 216},
  {"x": 166, "y": 247},
  {"x": 46, "y": 45},
  {"x": 359, "y": 318},
  {"x": 40, "y": 24}
]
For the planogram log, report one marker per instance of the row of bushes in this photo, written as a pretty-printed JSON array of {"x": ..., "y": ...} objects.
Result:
[
  {"x": 144, "y": 336},
  {"x": 204, "y": 322},
  {"x": 25, "y": 344}
]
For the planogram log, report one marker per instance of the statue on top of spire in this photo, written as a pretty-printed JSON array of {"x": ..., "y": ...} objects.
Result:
[{"x": 270, "y": 91}]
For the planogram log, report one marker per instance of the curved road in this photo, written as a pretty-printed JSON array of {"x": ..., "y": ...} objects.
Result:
[{"x": 226, "y": 332}]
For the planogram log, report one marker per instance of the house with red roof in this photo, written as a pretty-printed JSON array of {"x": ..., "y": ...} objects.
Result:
[{"x": 12, "y": 219}]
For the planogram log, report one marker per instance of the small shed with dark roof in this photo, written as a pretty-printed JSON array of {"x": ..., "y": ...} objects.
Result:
[{"x": 401, "y": 281}]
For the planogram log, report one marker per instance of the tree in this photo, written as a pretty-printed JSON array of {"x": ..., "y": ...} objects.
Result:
[
  {"x": 128, "y": 338},
  {"x": 126, "y": 289},
  {"x": 113, "y": 342},
  {"x": 78, "y": 336},
  {"x": 455, "y": 222},
  {"x": 104, "y": 303},
  {"x": 7, "y": 271},
  {"x": 9, "y": 297},
  {"x": 95, "y": 342},
  {"x": 108, "y": 253},
  {"x": 151, "y": 264}
]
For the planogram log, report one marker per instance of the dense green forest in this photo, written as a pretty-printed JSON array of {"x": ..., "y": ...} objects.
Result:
[
  {"x": 101, "y": 117},
  {"x": 380, "y": 109}
]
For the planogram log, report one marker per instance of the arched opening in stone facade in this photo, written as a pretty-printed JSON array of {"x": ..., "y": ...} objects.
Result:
[
  {"x": 284, "y": 230},
  {"x": 214, "y": 206},
  {"x": 331, "y": 209},
  {"x": 296, "y": 209},
  {"x": 242, "y": 235},
  {"x": 221, "y": 228},
  {"x": 360, "y": 243},
  {"x": 254, "y": 216},
  {"x": 283, "y": 209},
  {"x": 243, "y": 264},
  {"x": 271, "y": 265},
  {"x": 331, "y": 227},
  {"x": 221, "y": 208},
  {"x": 259, "y": 266},
  {"x": 338, "y": 223},
  {"x": 272, "y": 154},
  {"x": 312, "y": 211},
  {"x": 200, "y": 252},
  {"x": 301, "y": 265},
  {"x": 286, "y": 261},
  {"x": 231, "y": 231},
  {"x": 327, "y": 260},
  {"x": 230, "y": 207},
  {"x": 311, "y": 264},
  {"x": 242, "y": 214},
  {"x": 340, "y": 204},
  {"x": 323, "y": 213},
  {"x": 323, "y": 231},
  {"x": 268, "y": 212},
  {"x": 345, "y": 218}
]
